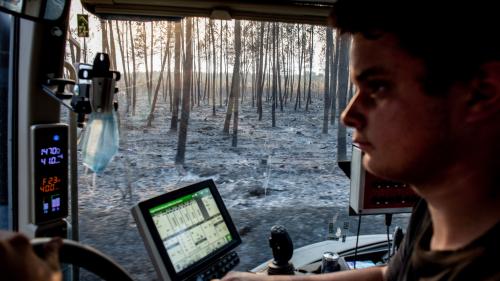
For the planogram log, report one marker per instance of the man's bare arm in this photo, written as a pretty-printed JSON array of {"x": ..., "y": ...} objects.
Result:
[{"x": 366, "y": 274}]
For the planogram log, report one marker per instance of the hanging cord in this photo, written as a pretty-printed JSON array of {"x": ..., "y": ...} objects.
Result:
[
  {"x": 357, "y": 240},
  {"x": 388, "y": 220}
]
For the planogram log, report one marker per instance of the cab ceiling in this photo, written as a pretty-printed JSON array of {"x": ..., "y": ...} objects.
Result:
[{"x": 311, "y": 12}]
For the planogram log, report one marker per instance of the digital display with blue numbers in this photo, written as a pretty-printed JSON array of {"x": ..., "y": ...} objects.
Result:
[{"x": 50, "y": 171}]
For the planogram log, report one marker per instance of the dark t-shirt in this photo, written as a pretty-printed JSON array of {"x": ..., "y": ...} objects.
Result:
[{"x": 478, "y": 261}]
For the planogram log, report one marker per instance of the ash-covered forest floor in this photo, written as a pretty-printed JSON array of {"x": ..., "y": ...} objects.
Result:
[{"x": 283, "y": 175}]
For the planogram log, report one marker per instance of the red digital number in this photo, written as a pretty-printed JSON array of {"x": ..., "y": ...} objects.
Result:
[{"x": 49, "y": 184}]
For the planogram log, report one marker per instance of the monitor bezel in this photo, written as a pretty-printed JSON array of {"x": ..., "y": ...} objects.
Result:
[{"x": 197, "y": 267}]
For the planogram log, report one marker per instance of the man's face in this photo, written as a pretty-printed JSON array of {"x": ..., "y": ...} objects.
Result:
[{"x": 402, "y": 131}]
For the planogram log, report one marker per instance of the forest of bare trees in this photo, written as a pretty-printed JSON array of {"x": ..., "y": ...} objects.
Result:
[{"x": 201, "y": 62}]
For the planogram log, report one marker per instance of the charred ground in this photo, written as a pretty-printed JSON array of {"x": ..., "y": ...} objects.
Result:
[{"x": 277, "y": 175}]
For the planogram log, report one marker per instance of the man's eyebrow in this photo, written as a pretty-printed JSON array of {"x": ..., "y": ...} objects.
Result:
[{"x": 372, "y": 71}]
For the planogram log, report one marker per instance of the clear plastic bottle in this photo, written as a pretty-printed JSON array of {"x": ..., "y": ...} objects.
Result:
[{"x": 100, "y": 140}]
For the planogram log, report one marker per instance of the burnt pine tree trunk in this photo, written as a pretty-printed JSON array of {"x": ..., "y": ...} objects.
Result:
[
  {"x": 146, "y": 65},
  {"x": 235, "y": 84},
  {"x": 291, "y": 66},
  {"x": 193, "y": 66},
  {"x": 206, "y": 91},
  {"x": 244, "y": 70},
  {"x": 260, "y": 71},
  {"x": 304, "y": 35},
  {"x": 226, "y": 55},
  {"x": 134, "y": 72},
  {"x": 233, "y": 102},
  {"x": 167, "y": 80},
  {"x": 198, "y": 50},
  {"x": 275, "y": 75},
  {"x": 334, "y": 78},
  {"x": 266, "y": 59},
  {"x": 177, "y": 77},
  {"x": 169, "y": 74},
  {"x": 195, "y": 72},
  {"x": 163, "y": 53},
  {"x": 244, "y": 66},
  {"x": 212, "y": 36},
  {"x": 328, "y": 58},
  {"x": 206, "y": 88},
  {"x": 229, "y": 110},
  {"x": 311, "y": 55},
  {"x": 284, "y": 58},
  {"x": 301, "y": 57},
  {"x": 157, "y": 89},
  {"x": 278, "y": 70},
  {"x": 253, "y": 63},
  {"x": 268, "y": 80},
  {"x": 127, "y": 57},
  {"x": 151, "y": 53},
  {"x": 220, "y": 66},
  {"x": 186, "y": 89},
  {"x": 125, "y": 72},
  {"x": 343, "y": 81},
  {"x": 193, "y": 78},
  {"x": 127, "y": 50}
]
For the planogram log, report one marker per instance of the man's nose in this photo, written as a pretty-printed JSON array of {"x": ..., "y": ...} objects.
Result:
[{"x": 352, "y": 116}]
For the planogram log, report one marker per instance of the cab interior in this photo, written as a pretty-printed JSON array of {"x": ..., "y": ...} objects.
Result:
[{"x": 284, "y": 169}]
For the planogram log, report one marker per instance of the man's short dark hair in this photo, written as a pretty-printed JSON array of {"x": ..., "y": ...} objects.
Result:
[{"x": 453, "y": 39}]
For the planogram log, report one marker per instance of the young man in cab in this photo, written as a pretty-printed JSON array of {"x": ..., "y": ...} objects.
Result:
[{"x": 427, "y": 112}]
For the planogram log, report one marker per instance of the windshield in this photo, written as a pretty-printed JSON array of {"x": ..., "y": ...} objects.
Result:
[{"x": 268, "y": 134}]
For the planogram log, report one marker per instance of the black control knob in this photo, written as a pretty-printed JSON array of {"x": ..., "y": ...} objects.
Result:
[{"x": 281, "y": 245}]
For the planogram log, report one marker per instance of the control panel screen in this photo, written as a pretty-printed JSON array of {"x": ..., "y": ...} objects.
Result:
[
  {"x": 50, "y": 172},
  {"x": 188, "y": 233},
  {"x": 191, "y": 228}
]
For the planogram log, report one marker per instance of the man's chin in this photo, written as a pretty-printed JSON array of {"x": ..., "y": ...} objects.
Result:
[{"x": 379, "y": 169}]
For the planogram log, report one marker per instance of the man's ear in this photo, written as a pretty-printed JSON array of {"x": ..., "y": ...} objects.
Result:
[{"x": 484, "y": 99}]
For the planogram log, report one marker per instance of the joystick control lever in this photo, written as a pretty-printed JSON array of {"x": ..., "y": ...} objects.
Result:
[{"x": 282, "y": 247}]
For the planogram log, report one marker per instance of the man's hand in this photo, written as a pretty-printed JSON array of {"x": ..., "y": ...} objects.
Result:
[
  {"x": 375, "y": 273},
  {"x": 249, "y": 276},
  {"x": 19, "y": 262},
  {"x": 240, "y": 276}
]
